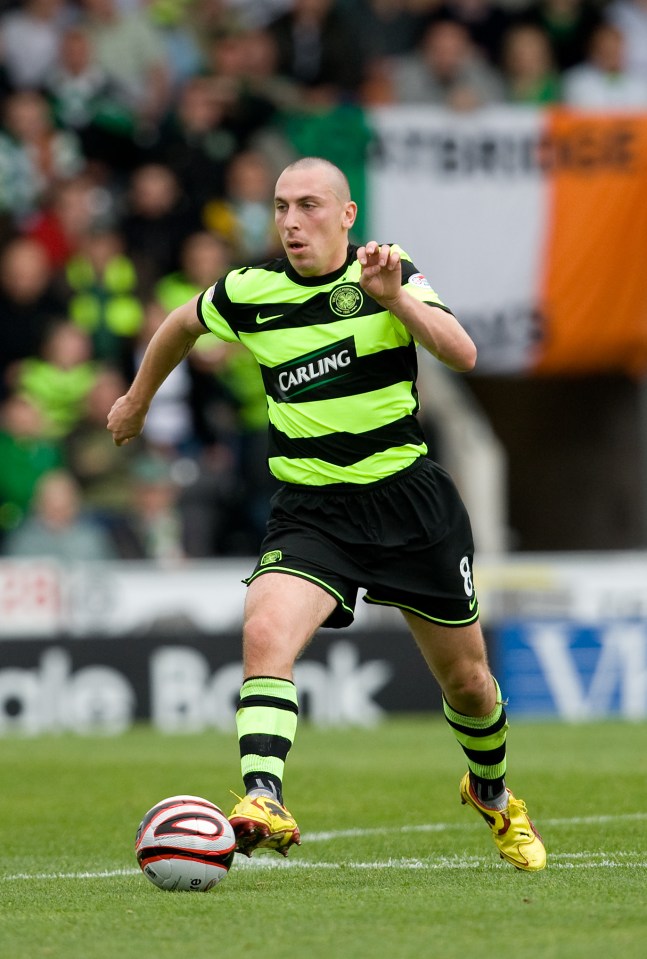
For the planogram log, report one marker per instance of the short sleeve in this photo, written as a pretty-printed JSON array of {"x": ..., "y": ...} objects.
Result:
[
  {"x": 213, "y": 306},
  {"x": 416, "y": 283}
]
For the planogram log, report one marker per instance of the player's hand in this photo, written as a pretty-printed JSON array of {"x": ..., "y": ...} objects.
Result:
[
  {"x": 125, "y": 420},
  {"x": 381, "y": 275}
]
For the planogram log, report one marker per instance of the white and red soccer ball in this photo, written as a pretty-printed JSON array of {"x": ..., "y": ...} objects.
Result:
[{"x": 185, "y": 843}]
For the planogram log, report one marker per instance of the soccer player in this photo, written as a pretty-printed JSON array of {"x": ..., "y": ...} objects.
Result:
[{"x": 334, "y": 329}]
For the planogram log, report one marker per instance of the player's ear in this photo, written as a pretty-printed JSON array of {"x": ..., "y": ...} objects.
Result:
[{"x": 350, "y": 213}]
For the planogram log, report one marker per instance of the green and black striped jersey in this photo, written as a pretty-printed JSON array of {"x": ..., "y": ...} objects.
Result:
[{"x": 339, "y": 370}]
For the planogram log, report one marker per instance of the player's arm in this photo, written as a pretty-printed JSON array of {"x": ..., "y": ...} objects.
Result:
[
  {"x": 170, "y": 344},
  {"x": 434, "y": 328}
]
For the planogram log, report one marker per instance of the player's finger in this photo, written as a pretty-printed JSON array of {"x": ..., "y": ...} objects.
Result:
[{"x": 372, "y": 252}]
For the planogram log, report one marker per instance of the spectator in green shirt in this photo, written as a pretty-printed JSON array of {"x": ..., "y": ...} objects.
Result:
[
  {"x": 58, "y": 381},
  {"x": 25, "y": 456}
]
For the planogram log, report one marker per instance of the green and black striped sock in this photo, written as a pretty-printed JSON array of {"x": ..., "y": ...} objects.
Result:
[
  {"x": 482, "y": 739},
  {"x": 266, "y": 721}
]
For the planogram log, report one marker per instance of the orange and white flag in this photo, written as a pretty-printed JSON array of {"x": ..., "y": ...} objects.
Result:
[{"x": 530, "y": 223}]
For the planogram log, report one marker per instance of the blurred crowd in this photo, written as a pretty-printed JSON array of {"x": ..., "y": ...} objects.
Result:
[{"x": 139, "y": 143}]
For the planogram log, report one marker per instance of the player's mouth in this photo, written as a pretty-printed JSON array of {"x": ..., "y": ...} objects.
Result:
[{"x": 295, "y": 246}]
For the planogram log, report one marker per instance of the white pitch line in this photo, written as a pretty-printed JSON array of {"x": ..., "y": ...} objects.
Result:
[
  {"x": 575, "y": 860},
  {"x": 439, "y": 863},
  {"x": 607, "y": 860},
  {"x": 595, "y": 820},
  {"x": 474, "y": 824},
  {"x": 100, "y": 874}
]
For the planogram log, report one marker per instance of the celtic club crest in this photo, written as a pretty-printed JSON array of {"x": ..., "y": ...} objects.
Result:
[{"x": 346, "y": 300}]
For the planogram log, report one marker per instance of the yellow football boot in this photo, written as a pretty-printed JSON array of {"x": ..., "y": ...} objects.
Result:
[
  {"x": 261, "y": 822},
  {"x": 513, "y": 832}
]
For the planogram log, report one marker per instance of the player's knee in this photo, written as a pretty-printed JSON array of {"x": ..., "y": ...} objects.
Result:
[
  {"x": 265, "y": 651},
  {"x": 470, "y": 690},
  {"x": 258, "y": 633}
]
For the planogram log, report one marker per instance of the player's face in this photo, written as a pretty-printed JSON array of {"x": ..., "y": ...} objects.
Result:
[{"x": 312, "y": 220}]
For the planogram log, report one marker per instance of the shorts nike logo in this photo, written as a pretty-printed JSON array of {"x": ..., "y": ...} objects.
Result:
[{"x": 266, "y": 319}]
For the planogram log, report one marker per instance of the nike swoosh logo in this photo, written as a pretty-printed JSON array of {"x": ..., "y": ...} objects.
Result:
[
  {"x": 266, "y": 319},
  {"x": 472, "y": 602}
]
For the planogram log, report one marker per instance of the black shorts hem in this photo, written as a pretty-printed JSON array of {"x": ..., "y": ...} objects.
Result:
[
  {"x": 342, "y": 616},
  {"x": 430, "y": 617}
]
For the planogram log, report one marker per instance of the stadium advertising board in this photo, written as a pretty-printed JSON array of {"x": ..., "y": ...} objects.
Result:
[
  {"x": 99, "y": 647},
  {"x": 574, "y": 671},
  {"x": 185, "y": 685},
  {"x": 40, "y": 599},
  {"x": 31, "y": 599}
]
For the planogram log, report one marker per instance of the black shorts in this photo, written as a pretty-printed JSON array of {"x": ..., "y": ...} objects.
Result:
[{"x": 406, "y": 540}]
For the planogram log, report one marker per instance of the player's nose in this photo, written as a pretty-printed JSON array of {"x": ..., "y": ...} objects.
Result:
[{"x": 291, "y": 218}]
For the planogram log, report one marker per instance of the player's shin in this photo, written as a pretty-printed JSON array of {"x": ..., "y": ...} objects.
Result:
[
  {"x": 266, "y": 721},
  {"x": 483, "y": 740}
]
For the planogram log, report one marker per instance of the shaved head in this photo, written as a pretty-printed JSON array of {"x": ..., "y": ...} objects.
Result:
[
  {"x": 313, "y": 213},
  {"x": 336, "y": 178}
]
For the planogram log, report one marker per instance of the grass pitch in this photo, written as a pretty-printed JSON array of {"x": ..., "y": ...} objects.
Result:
[{"x": 391, "y": 863}]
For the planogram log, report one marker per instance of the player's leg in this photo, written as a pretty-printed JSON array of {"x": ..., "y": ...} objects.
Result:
[
  {"x": 471, "y": 698},
  {"x": 475, "y": 711},
  {"x": 282, "y": 613}
]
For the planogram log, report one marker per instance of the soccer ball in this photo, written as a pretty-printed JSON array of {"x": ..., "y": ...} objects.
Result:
[{"x": 185, "y": 843}]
